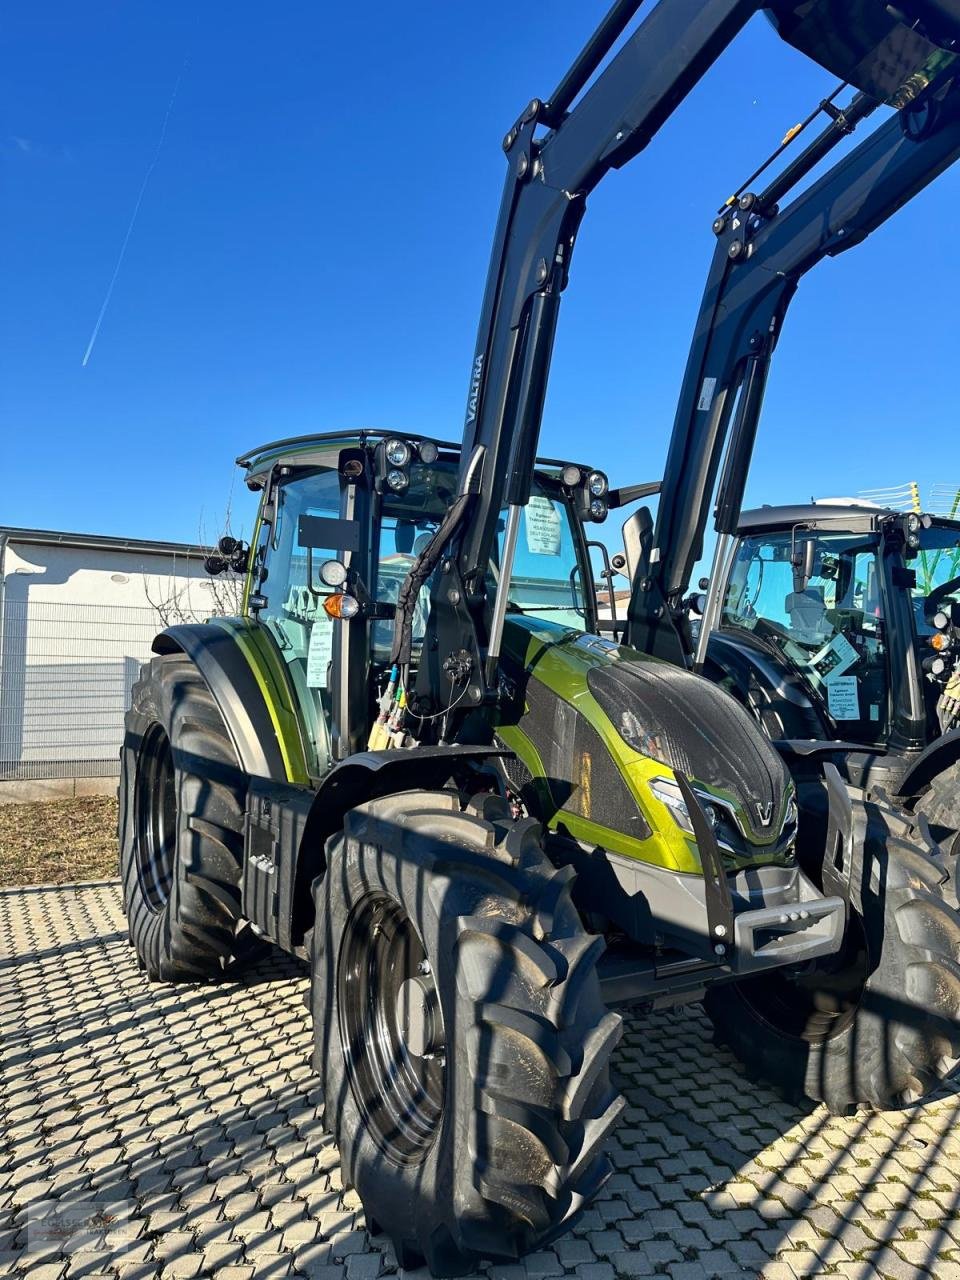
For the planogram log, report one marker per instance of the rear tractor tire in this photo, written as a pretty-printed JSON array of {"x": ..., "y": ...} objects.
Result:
[
  {"x": 877, "y": 1024},
  {"x": 182, "y": 796},
  {"x": 460, "y": 1038}
]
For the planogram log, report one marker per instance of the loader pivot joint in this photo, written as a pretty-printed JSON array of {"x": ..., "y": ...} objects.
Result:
[{"x": 457, "y": 667}]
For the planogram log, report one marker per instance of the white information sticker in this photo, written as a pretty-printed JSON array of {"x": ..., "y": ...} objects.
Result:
[
  {"x": 543, "y": 527},
  {"x": 843, "y": 699},
  {"x": 320, "y": 651},
  {"x": 834, "y": 658},
  {"x": 707, "y": 392}
]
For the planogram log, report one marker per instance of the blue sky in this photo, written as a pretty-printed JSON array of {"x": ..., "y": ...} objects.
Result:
[{"x": 311, "y": 249}]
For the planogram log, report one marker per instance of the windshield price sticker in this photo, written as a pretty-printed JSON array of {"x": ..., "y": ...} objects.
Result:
[
  {"x": 830, "y": 662},
  {"x": 543, "y": 527},
  {"x": 320, "y": 653},
  {"x": 843, "y": 699}
]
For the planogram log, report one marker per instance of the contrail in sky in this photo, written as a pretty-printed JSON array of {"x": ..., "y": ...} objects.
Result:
[{"x": 133, "y": 216}]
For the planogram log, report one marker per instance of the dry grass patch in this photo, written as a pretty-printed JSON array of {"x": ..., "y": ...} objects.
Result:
[{"x": 58, "y": 841}]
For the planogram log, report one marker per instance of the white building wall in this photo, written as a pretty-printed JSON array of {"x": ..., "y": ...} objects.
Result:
[{"x": 75, "y": 624}]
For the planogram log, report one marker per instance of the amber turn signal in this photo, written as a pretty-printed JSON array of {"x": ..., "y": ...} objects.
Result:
[{"x": 340, "y": 605}]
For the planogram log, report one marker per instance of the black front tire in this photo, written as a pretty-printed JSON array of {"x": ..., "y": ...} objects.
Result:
[
  {"x": 182, "y": 797},
  {"x": 475, "y": 1129},
  {"x": 877, "y": 1025},
  {"x": 940, "y": 805}
]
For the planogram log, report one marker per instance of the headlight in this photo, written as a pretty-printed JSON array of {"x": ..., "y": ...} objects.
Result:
[
  {"x": 397, "y": 453},
  {"x": 598, "y": 509},
  {"x": 333, "y": 573},
  {"x": 397, "y": 480},
  {"x": 428, "y": 452},
  {"x": 792, "y": 813},
  {"x": 597, "y": 483},
  {"x": 571, "y": 475},
  {"x": 668, "y": 793},
  {"x": 913, "y": 522}
]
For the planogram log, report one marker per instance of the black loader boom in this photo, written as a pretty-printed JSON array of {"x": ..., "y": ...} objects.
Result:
[
  {"x": 763, "y": 251},
  {"x": 558, "y": 151}
]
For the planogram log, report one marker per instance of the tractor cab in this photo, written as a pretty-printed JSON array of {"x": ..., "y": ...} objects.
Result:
[
  {"x": 840, "y": 622},
  {"x": 342, "y": 520}
]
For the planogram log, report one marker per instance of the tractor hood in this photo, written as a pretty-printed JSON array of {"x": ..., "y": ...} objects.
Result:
[{"x": 600, "y": 732}]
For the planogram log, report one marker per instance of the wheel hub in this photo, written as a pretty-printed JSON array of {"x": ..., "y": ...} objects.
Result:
[
  {"x": 391, "y": 1029},
  {"x": 155, "y": 818},
  {"x": 418, "y": 1016}
]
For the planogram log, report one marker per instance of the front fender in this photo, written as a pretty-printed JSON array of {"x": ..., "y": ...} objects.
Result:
[
  {"x": 227, "y": 673},
  {"x": 940, "y": 755},
  {"x": 361, "y": 777}
]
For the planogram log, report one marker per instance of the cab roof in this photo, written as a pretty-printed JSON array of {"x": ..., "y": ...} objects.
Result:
[
  {"x": 861, "y": 515},
  {"x": 321, "y": 449}
]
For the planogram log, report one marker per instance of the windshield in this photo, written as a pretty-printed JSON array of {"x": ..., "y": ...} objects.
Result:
[
  {"x": 308, "y": 529},
  {"x": 814, "y": 598},
  {"x": 937, "y": 565},
  {"x": 546, "y": 580}
]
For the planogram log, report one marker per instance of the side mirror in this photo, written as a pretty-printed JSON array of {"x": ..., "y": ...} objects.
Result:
[
  {"x": 697, "y": 603},
  {"x": 231, "y": 554},
  {"x": 803, "y": 558}
]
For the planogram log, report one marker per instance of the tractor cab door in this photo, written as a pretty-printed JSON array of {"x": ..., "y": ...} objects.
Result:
[{"x": 301, "y": 529}]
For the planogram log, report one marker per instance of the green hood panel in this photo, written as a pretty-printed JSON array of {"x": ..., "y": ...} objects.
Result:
[{"x": 589, "y": 754}]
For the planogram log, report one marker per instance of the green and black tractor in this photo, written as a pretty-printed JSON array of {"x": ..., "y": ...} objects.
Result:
[{"x": 415, "y": 762}]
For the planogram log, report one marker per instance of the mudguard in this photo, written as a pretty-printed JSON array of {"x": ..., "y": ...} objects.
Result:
[
  {"x": 288, "y": 826},
  {"x": 239, "y": 696},
  {"x": 777, "y": 693},
  {"x": 940, "y": 755}
]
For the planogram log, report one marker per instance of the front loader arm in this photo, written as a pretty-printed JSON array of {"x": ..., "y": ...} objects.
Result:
[
  {"x": 544, "y": 199},
  {"x": 596, "y": 121},
  {"x": 760, "y": 258}
]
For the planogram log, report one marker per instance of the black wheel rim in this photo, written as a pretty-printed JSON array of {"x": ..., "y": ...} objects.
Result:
[
  {"x": 391, "y": 1029},
  {"x": 819, "y": 1001},
  {"x": 155, "y": 818}
]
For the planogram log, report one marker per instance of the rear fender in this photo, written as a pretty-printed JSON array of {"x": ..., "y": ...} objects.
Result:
[{"x": 773, "y": 693}]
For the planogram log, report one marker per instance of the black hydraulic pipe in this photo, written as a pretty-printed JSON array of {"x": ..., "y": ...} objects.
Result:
[
  {"x": 589, "y": 58},
  {"x": 540, "y": 333},
  {"x": 791, "y": 134},
  {"x": 843, "y": 124},
  {"x": 742, "y": 438}
]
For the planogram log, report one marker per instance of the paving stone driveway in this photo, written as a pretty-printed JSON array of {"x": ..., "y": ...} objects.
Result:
[{"x": 192, "y": 1108}]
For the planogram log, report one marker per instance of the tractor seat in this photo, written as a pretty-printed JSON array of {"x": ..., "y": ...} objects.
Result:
[{"x": 807, "y": 613}]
